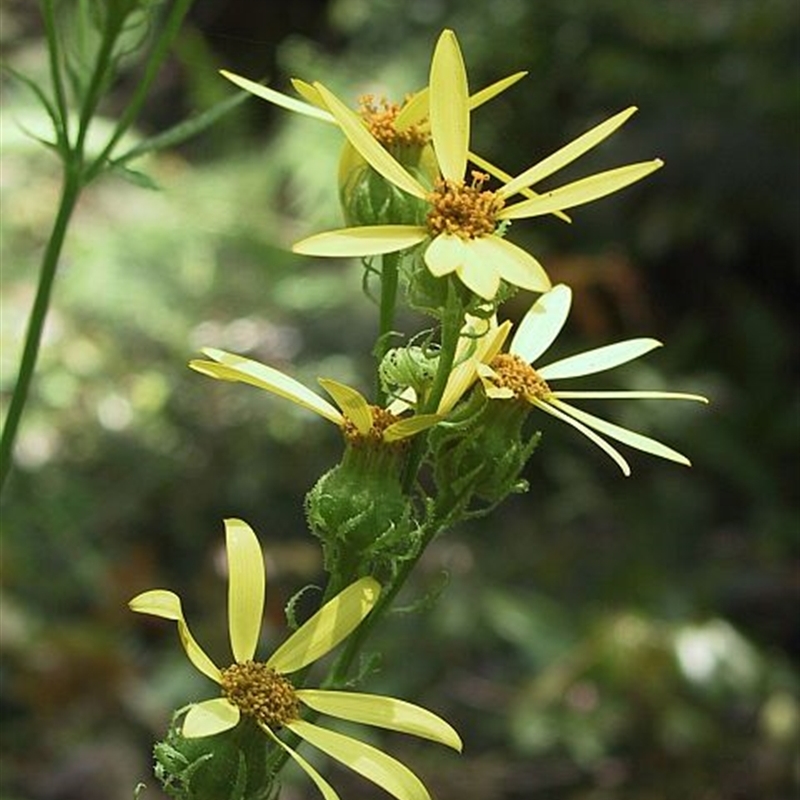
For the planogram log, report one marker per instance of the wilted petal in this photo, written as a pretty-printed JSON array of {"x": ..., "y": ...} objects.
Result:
[
  {"x": 598, "y": 359},
  {"x": 383, "y": 712},
  {"x": 244, "y": 370},
  {"x": 369, "y": 240},
  {"x": 583, "y": 191},
  {"x": 512, "y": 263},
  {"x": 246, "y": 588},
  {"x": 353, "y": 404},
  {"x": 410, "y": 426},
  {"x": 542, "y": 324},
  {"x": 323, "y": 631},
  {"x": 368, "y": 761},
  {"x": 276, "y": 98},
  {"x": 370, "y": 149},
  {"x": 210, "y": 717},
  {"x": 166, "y": 604},
  {"x": 643, "y": 443},
  {"x": 566, "y": 154},
  {"x": 449, "y": 107},
  {"x": 327, "y": 790}
]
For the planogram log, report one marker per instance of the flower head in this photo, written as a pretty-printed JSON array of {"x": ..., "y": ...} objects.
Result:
[
  {"x": 261, "y": 690},
  {"x": 359, "y": 421},
  {"x": 465, "y": 222},
  {"x": 511, "y": 376}
]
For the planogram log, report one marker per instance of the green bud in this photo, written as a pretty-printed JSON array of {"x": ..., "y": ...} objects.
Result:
[
  {"x": 231, "y": 765},
  {"x": 412, "y": 366}
]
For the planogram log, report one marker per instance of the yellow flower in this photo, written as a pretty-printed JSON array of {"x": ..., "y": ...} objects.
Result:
[
  {"x": 464, "y": 218},
  {"x": 358, "y": 420},
  {"x": 260, "y": 689},
  {"x": 511, "y": 376}
]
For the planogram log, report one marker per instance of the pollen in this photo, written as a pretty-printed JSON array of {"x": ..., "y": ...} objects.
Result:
[
  {"x": 381, "y": 119},
  {"x": 459, "y": 209},
  {"x": 513, "y": 373},
  {"x": 381, "y": 420},
  {"x": 260, "y": 692}
]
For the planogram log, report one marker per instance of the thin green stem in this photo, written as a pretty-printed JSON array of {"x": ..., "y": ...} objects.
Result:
[
  {"x": 389, "y": 282},
  {"x": 56, "y": 78},
  {"x": 70, "y": 191}
]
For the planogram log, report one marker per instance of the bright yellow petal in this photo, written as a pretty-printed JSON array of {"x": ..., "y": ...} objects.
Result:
[
  {"x": 449, "y": 107},
  {"x": 566, "y": 154},
  {"x": 366, "y": 760},
  {"x": 210, "y": 717},
  {"x": 583, "y": 191},
  {"x": 494, "y": 89},
  {"x": 542, "y": 324},
  {"x": 414, "y": 111},
  {"x": 598, "y": 359},
  {"x": 323, "y": 631},
  {"x": 445, "y": 254},
  {"x": 383, "y": 712},
  {"x": 630, "y": 438},
  {"x": 632, "y": 395},
  {"x": 311, "y": 95},
  {"x": 550, "y": 408},
  {"x": 373, "y": 153},
  {"x": 325, "y": 788},
  {"x": 488, "y": 377},
  {"x": 244, "y": 370},
  {"x": 410, "y": 427},
  {"x": 479, "y": 276},
  {"x": 166, "y": 604},
  {"x": 512, "y": 263},
  {"x": 246, "y": 588},
  {"x": 276, "y": 98},
  {"x": 353, "y": 404},
  {"x": 369, "y": 240}
]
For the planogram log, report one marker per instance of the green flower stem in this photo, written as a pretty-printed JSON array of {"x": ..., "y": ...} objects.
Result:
[
  {"x": 70, "y": 191},
  {"x": 389, "y": 280}
]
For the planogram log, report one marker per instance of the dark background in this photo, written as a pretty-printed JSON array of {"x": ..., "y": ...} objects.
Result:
[{"x": 598, "y": 637}]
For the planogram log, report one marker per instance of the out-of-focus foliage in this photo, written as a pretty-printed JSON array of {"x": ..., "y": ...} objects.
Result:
[{"x": 598, "y": 637}]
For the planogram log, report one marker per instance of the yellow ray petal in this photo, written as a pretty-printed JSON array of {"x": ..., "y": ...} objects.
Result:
[
  {"x": 630, "y": 438},
  {"x": 566, "y": 154},
  {"x": 366, "y": 760},
  {"x": 323, "y": 631},
  {"x": 598, "y": 359},
  {"x": 629, "y": 395},
  {"x": 512, "y": 263},
  {"x": 325, "y": 788},
  {"x": 542, "y": 324},
  {"x": 410, "y": 427},
  {"x": 445, "y": 254},
  {"x": 449, "y": 107},
  {"x": 488, "y": 377},
  {"x": 369, "y": 240},
  {"x": 352, "y": 402},
  {"x": 583, "y": 191},
  {"x": 376, "y": 156},
  {"x": 166, "y": 604},
  {"x": 479, "y": 276},
  {"x": 413, "y": 112},
  {"x": 494, "y": 89},
  {"x": 244, "y": 370},
  {"x": 276, "y": 98},
  {"x": 612, "y": 452},
  {"x": 210, "y": 717},
  {"x": 246, "y": 588},
  {"x": 311, "y": 95}
]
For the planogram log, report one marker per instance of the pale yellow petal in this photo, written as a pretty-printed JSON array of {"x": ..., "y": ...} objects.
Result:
[
  {"x": 244, "y": 370},
  {"x": 582, "y": 191},
  {"x": 246, "y": 588},
  {"x": 449, "y": 107},
  {"x": 369, "y": 240},
  {"x": 445, "y": 254},
  {"x": 512, "y": 263},
  {"x": 210, "y": 717},
  {"x": 550, "y": 408},
  {"x": 542, "y": 324},
  {"x": 383, "y": 712},
  {"x": 323, "y": 631},
  {"x": 479, "y": 276},
  {"x": 598, "y": 359},
  {"x": 410, "y": 426},
  {"x": 352, "y": 403},
  {"x": 276, "y": 98},
  {"x": 369, "y": 762},
  {"x": 630, "y": 438},
  {"x": 494, "y": 89},
  {"x": 311, "y": 95},
  {"x": 414, "y": 111},
  {"x": 566, "y": 154},
  {"x": 488, "y": 377},
  {"x": 166, "y": 604},
  {"x": 372, "y": 151},
  {"x": 629, "y": 395},
  {"x": 324, "y": 787}
]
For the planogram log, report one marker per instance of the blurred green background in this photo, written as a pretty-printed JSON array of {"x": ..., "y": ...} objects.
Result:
[{"x": 598, "y": 637}]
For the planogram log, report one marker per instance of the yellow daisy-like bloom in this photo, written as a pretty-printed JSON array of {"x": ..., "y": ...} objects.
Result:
[
  {"x": 463, "y": 219},
  {"x": 359, "y": 421},
  {"x": 262, "y": 691},
  {"x": 509, "y": 376}
]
